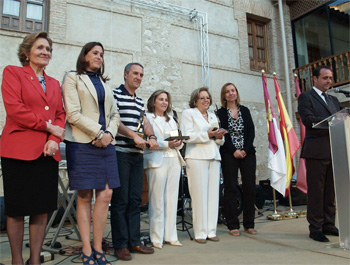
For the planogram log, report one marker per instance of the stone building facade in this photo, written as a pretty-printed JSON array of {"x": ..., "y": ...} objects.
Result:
[{"x": 168, "y": 45}]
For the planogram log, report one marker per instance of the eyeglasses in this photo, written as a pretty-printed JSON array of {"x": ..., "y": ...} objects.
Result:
[{"x": 207, "y": 98}]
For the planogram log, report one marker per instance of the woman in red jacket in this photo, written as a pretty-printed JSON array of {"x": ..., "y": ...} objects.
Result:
[{"x": 29, "y": 145}]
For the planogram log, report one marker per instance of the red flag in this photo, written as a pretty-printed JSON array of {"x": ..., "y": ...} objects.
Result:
[
  {"x": 301, "y": 181},
  {"x": 276, "y": 154},
  {"x": 270, "y": 113},
  {"x": 291, "y": 142}
]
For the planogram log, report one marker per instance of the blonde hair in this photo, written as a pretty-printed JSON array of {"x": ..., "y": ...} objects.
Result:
[{"x": 223, "y": 92}]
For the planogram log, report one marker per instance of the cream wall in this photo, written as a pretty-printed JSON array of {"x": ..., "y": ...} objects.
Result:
[{"x": 168, "y": 45}]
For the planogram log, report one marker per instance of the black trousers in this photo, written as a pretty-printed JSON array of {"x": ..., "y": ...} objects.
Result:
[
  {"x": 320, "y": 195},
  {"x": 247, "y": 166}
]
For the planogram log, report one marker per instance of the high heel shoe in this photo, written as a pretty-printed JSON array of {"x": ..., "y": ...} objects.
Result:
[
  {"x": 101, "y": 260},
  {"x": 251, "y": 231},
  {"x": 214, "y": 239},
  {"x": 157, "y": 245},
  {"x": 87, "y": 259},
  {"x": 175, "y": 243},
  {"x": 234, "y": 232}
]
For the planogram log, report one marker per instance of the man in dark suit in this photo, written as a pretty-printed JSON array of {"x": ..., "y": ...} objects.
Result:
[{"x": 314, "y": 106}]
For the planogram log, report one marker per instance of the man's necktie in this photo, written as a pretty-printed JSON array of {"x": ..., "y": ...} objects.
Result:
[{"x": 330, "y": 103}]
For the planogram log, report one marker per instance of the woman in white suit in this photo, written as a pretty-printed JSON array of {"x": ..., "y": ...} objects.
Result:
[
  {"x": 92, "y": 123},
  {"x": 163, "y": 169},
  {"x": 203, "y": 163}
]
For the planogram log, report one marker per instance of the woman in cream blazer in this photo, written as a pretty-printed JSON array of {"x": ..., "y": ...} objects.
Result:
[
  {"x": 82, "y": 102},
  {"x": 92, "y": 123},
  {"x": 163, "y": 169},
  {"x": 203, "y": 163}
]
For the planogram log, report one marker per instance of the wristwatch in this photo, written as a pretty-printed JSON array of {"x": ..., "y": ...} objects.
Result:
[
  {"x": 110, "y": 134},
  {"x": 99, "y": 137},
  {"x": 152, "y": 136}
]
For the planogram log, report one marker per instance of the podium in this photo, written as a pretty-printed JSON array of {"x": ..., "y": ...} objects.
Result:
[{"x": 339, "y": 132}]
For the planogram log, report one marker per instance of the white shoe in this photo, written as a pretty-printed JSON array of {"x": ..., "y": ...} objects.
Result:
[
  {"x": 157, "y": 245},
  {"x": 175, "y": 243}
]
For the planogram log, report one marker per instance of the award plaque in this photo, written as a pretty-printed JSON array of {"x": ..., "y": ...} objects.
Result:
[
  {"x": 139, "y": 129},
  {"x": 176, "y": 134},
  {"x": 217, "y": 116}
]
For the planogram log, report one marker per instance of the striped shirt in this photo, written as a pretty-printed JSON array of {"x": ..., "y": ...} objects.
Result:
[{"x": 130, "y": 108}]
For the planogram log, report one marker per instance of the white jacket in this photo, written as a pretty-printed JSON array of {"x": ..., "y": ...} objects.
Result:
[
  {"x": 200, "y": 146},
  {"x": 154, "y": 158}
]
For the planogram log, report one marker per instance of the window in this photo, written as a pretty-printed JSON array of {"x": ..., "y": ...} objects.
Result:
[
  {"x": 257, "y": 43},
  {"x": 24, "y": 15},
  {"x": 321, "y": 33}
]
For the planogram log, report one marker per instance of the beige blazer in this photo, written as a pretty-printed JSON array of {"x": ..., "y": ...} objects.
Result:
[
  {"x": 200, "y": 146},
  {"x": 82, "y": 112},
  {"x": 154, "y": 158}
]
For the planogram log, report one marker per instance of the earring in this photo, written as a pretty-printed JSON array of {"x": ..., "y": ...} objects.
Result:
[{"x": 27, "y": 59}]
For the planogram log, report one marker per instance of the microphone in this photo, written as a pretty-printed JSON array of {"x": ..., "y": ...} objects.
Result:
[{"x": 346, "y": 93}]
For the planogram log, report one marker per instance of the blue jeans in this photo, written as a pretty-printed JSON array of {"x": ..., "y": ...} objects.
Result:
[{"x": 126, "y": 200}]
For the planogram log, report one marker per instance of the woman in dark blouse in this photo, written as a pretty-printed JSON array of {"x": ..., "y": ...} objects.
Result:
[
  {"x": 237, "y": 152},
  {"x": 92, "y": 123}
]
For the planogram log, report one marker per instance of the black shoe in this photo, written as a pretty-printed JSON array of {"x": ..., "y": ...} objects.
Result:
[
  {"x": 331, "y": 232},
  {"x": 318, "y": 236}
]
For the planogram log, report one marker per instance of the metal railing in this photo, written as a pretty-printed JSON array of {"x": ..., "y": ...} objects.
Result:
[{"x": 340, "y": 65}]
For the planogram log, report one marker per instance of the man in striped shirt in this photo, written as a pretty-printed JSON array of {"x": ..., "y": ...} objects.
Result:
[{"x": 125, "y": 211}]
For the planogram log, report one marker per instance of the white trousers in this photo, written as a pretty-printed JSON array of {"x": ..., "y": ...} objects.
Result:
[
  {"x": 204, "y": 182},
  {"x": 163, "y": 197}
]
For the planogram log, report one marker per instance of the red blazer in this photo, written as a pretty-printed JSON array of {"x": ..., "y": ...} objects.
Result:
[{"x": 27, "y": 111}]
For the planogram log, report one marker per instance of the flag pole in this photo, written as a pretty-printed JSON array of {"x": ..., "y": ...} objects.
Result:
[
  {"x": 276, "y": 153},
  {"x": 275, "y": 216},
  {"x": 291, "y": 213}
]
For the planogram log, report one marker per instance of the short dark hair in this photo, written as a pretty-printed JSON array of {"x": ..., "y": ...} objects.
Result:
[
  {"x": 27, "y": 44},
  {"x": 195, "y": 96},
  {"x": 152, "y": 100},
  {"x": 223, "y": 93},
  {"x": 128, "y": 67},
  {"x": 82, "y": 64},
  {"x": 318, "y": 69}
]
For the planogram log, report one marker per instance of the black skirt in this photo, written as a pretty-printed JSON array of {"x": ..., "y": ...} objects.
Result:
[{"x": 30, "y": 187}]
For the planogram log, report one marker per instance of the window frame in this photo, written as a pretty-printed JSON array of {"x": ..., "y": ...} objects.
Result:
[
  {"x": 256, "y": 63},
  {"x": 23, "y": 21}
]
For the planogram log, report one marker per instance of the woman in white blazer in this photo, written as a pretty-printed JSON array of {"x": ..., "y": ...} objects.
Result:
[
  {"x": 92, "y": 123},
  {"x": 203, "y": 163},
  {"x": 163, "y": 169}
]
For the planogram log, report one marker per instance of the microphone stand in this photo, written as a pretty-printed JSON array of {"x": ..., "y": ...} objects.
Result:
[{"x": 185, "y": 225}]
